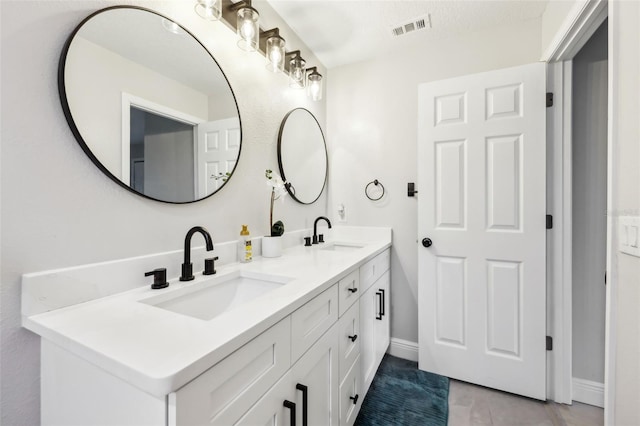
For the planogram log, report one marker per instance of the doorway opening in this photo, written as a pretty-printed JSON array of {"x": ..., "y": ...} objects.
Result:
[{"x": 589, "y": 99}]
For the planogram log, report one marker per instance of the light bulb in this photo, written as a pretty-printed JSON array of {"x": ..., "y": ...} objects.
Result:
[{"x": 247, "y": 26}]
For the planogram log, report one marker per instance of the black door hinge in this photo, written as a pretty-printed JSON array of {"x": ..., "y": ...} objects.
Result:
[
  {"x": 549, "y": 221},
  {"x": 549, "y": 343},
  {"x": 549, "y": 99}
]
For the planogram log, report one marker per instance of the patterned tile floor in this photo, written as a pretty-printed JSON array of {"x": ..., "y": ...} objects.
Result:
[{"x": 471, "y": 405}]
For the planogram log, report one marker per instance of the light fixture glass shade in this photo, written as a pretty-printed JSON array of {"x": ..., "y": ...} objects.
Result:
[
  {"x": 314, "y": 85},
  {"x": 211, "y": 10},
  {"x": 275, "y": 53},
  {"x": 297, "y": 72},
  {"x": 248, "y": 29}
]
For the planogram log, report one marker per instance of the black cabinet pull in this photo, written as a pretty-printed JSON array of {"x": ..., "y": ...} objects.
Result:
[
  {"x": 381, "y": 290},
  {"x": 291, "y": 406},
  {"x": 352, "y": 290},
  {"x": 379, "y": 314},
  {"x": 354, "y": 399},
  {"x": 353, "y": 338},
  {"x": 304, "y": 390}
]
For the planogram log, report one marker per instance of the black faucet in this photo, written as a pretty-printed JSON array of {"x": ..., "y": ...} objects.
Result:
[
  {"x": 187, "y": 266},
  {"x": 317, "y": 240}
]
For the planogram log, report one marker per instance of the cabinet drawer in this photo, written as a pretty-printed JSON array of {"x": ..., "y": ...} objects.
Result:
[
  {"x": 310, "y": 321},
  {"x": 373, "y": 269},
  {"x": 348, "y": 288},
  {"x": 349, "y": 330},
  {"x": 225, "y": 391},
  {"x": 351, "y": 395}
]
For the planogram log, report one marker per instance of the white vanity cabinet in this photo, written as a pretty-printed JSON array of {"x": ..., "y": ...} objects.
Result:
[{"x": 316, "y": 364}]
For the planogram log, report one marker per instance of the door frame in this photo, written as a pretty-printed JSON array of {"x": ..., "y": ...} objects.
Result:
[
  {"x": 576, "y": 30},
  {"x": 128, "y": 101}
]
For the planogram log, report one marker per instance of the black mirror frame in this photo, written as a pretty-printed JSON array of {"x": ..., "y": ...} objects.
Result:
[
  {"x": 290, "y": 186},
  {"x": 76, "y": 133}
]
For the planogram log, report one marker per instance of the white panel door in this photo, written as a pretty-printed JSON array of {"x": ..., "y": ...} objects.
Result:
[
  {"x": 481, "y": 175},
  {"x": 218, "y": 147}
]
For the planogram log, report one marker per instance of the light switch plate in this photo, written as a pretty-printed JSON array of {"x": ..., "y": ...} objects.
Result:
[{"x": 629, "y": 235}]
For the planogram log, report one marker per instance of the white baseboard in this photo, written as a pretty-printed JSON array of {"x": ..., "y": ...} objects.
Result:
[
  {"x": 403, "y": 349},
  {"x": 588, "y": 392}
]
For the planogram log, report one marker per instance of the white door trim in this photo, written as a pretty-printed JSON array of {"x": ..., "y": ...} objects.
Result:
[
  {"x": 574, "y": 33},
  {"x": 559, "y": 239},
  {"x": 580, "y": 24}
]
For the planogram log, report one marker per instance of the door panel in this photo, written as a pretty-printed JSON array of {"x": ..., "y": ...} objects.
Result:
[{"x": 481, "y": 172}]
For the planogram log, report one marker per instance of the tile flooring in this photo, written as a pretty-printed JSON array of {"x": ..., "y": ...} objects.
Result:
[{"x": 471, "y": 405}]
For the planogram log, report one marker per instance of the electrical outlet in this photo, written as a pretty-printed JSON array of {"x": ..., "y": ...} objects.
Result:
[
  {"x": 342, "y": 213},
  {"x": 629, "y": 235}
]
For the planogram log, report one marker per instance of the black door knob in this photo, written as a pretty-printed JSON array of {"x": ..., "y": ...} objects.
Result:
[{"x": 426, "y": 242}]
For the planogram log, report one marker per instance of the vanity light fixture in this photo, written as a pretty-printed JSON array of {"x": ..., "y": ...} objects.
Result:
[
  {"x": 274, "y": 49},
  {"x": 211, "y": 10},
  {"x": 240, "y": 16},
  {"x": 314, "y": 84},
  {"x": 296, "y": 70},
  {"x": 247, "y": 27}
]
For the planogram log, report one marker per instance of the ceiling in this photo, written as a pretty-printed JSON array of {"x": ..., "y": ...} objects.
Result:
[{"x": 340, "y": 32}]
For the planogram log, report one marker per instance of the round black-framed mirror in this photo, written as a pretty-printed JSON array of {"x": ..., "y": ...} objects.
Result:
[
  {"x": 302, "y": 156},
  {"x": 150, "y": 105}
]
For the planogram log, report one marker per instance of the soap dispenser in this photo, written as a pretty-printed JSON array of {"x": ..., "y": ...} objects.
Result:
[{"x": 244, "y": 245}]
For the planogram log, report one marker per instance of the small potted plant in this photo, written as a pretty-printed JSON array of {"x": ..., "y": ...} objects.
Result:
[{"x": 272, "y": 244}]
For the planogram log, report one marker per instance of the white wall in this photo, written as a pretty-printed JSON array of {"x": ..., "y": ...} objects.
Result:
[
  {"x": 372, "y": 132},
  {"x": 624, "y": 48},
  {"x": 59, "y": 210},
  {"x": 589, "y": 204}
]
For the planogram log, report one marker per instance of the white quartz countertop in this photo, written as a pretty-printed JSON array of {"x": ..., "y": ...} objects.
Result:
[{"x": 160, "y": 351}]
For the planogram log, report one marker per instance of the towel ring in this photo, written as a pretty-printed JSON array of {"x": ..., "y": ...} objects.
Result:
[{"x": 376, "y": 183}]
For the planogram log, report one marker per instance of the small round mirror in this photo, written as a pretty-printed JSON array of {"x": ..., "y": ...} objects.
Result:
[
  {"x": 149, "y": 105},
  {"x": 302, "y": 156}
]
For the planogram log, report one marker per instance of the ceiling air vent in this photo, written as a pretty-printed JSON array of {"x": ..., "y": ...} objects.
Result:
[{"x": 413, "y": 25}]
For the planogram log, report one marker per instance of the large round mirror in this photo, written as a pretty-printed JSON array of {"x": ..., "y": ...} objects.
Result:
[
  {"x": 150, "y": 105},
  {"x": 302, "y": 156}
]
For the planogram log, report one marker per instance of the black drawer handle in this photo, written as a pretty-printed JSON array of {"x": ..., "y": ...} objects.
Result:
[
  {"x": 305, "y": 401},
  {"x": 379, "y": 314},
  {"x": 354, "y": 399},
  {"x": 383, "y": 302},
  {"x": 352, "y": 290},
  {"x": 353, "y": 338},
  {"x": 291, "y": 406}
]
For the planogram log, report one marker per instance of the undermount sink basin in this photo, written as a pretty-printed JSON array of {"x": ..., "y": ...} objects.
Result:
[
  {"x": 211, "y": 297},
  {"x": 341, "y": 247}
]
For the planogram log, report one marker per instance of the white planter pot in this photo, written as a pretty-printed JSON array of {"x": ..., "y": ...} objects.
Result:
[{"x": 271, "y": 246}]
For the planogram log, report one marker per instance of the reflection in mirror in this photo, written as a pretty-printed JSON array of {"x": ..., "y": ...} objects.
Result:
[
  {"x": 302, "y": 156},
  {"x": 150, "y": 105}
]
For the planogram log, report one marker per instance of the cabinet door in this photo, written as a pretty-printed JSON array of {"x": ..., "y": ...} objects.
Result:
[
  {"x": 382, "y": 332},
  {"x": 316, "y": 378},
  {"x": 368, "y": 315},
  {"x": 374, "y": 327},
  {"x": 222, "y": 394},
  {"x": 276, "y": 408}
]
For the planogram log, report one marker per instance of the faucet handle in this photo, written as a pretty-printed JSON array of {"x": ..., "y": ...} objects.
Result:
[
  {"x": 321, "y": 238},
  {"x": 307, "y": 241},
  {"x": 209, "y": 266},
  {"x": 159, "y": 278}
]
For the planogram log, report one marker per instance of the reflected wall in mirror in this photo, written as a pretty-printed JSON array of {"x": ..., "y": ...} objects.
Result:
[
  {"x": 302, "y": 156},
  {"x": 150, "y": 105}
]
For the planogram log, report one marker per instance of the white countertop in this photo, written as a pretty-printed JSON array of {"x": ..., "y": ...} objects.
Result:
[{"x": 160, "y": 351}]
